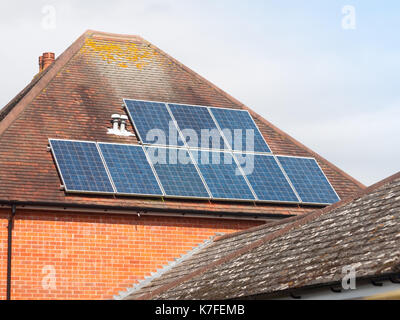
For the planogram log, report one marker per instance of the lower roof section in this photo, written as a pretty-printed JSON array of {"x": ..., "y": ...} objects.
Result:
[{"x": 355, "y": 239}]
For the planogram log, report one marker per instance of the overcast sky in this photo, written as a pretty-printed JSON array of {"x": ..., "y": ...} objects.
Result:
[{"x": 327, "y": 74}]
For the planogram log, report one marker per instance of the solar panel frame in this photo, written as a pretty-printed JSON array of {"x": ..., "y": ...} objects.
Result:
[
  {"x": 235, "y": 153},
  {"x": 237, "y": 164},
  {"x": 149, "y": 163},
  {"x": 67, "y": 190},
  {"x": 141, "y": 140},
  {"x": 169, "y": 196},
  {"x": 323, "y": 173},
  {"x": 255, "y": 125},
  {"x": 226, "y": 145}
]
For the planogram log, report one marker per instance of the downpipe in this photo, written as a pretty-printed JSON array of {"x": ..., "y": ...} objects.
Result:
[{"x": 9, "y": 249}]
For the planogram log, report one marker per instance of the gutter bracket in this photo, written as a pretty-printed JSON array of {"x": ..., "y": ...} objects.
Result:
[
  {"x": 294, "y": 296},
  {"x": 377, "y": 283},
  {"x": 395, "y": 279}
]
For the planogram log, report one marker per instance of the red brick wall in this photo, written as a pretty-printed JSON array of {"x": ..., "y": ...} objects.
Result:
[
  {"x": 94, "y": 256},
  {"x": 3, "y": 253}
]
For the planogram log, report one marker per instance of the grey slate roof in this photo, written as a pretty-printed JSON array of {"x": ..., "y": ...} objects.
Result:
[{"x": 295, "y": 253}]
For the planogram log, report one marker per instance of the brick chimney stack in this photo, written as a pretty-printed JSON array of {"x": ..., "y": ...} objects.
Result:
[{"x": 45, "y": 60}]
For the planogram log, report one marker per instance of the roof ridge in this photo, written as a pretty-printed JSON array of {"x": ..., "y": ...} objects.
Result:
[
  {"x": 10, "y": 105},
  {"x": 171, "y": 264},
  {"x": 256, "y": 115},
  {"x": 110, "y": 35},
  {"x": 304, "y": 219},
  {"x": 42, "y": 82}
]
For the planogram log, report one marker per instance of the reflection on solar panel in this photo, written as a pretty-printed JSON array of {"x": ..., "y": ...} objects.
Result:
[
  {"x": 130, "y": 170},
  {"x": 308, "y": 180},
  {"x": 177, "y": 173},
  {"x": 266, "y": 178},
  {"x": 237, "y": 123},
  {"x": 222, "y": 175},
  {"x": 199, "y": 121},
  {"x": 153, "y": 123},
  {"x": 81, "y": 167}
]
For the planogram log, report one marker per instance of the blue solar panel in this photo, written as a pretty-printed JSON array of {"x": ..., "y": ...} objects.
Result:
[
  {"x": 177, "y": 173},
  {"x": 222, "y": 175},
  {"x": 199, "y": 121},
  {"x": 81, "y": 166},
  {"x": 308, "y": 180},
  {"x": 230, "y": 120},
  {"x": 266, "y": 178},
  {"x": 130, "y": 170},
  {"x": 153, "y": 123}
]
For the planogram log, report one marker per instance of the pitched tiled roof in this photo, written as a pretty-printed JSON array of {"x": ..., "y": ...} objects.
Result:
[
  {"x": 74, "y": 99},
  {"x": 299, "y": 252}
]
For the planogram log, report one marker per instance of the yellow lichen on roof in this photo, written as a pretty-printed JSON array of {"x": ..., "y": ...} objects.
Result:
[{"x": 121, "y": 54}]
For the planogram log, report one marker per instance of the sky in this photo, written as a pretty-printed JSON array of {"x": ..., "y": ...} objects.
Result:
[{"x": 326, "y": 72}]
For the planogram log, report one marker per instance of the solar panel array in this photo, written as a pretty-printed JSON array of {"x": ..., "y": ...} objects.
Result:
[
  {"x": 89, "y": 167},
  {"x": 171, "y": 162}
]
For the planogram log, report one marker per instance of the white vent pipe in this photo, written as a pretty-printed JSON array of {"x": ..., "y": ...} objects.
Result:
[
  {"x": 115, "y": 121},
  {"x": 124, "y": 119}
]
